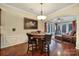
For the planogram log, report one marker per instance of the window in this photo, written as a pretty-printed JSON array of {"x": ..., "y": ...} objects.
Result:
[
  {"x": 70, "y": 27},
  {"x": 58, "y": 29},
  {"x": 49, "y": 28},
  {"x": 64, "y": 28}
]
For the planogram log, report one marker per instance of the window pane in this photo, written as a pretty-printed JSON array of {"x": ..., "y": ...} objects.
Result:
[
  {"x": 51, "y": 28},
  {"x": 48, "y": 28},
  {"x": 70, "y": 27},
  {"x": 58, "y": 29},
  {"x": 64, "y": 28}
]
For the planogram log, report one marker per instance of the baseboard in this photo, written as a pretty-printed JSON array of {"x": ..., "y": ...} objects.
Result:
[{"x": 14, "y": 45}]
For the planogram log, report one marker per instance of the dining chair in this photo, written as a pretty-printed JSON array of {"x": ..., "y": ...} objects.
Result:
[
  {"x": 32, "y": 43},
  {"x": 46, "y": 43}
]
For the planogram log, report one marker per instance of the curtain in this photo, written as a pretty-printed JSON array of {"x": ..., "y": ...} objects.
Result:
[
  {"x": 74, "y": 26},
  {"x": 45, "y": 27}
]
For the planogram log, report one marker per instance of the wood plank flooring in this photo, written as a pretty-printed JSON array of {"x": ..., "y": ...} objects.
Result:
[
  {"x": 16, "y": 50},
  {"x": 57, "y": 48}
]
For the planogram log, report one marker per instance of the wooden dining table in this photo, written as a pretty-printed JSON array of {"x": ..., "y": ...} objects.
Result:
[{"x": 39, "y": 37}]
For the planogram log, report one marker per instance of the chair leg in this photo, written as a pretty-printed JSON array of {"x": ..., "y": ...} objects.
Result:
[
  {"x": 32, "y": 49},
  {"x": 48, "y": 50},
  {"x": 28, "y": 49},
  {"x": 36, "y": 46},
  {"x": 42, "y": 48}
]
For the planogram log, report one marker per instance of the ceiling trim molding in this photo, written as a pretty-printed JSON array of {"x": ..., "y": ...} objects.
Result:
[{"x": 63, "y": 9}]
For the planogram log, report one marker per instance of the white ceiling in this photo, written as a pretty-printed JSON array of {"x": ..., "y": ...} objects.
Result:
[{"x": 35, "y": 8}]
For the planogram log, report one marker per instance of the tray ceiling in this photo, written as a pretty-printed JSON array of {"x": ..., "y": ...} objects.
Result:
[{"x": 35, "y": 8}]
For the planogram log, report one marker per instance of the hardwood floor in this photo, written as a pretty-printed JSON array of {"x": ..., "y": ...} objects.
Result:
[
  {"x": 57, "y": 48},
  {"x": 17, "y": 50}
]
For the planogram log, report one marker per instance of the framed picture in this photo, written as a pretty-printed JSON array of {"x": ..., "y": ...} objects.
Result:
[{"x": 30, "y": 23}]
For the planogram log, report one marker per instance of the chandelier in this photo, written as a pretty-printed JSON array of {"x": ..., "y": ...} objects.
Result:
[{"x": 41, "y": 16}]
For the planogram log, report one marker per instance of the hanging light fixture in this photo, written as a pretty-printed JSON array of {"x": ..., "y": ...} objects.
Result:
[{"x": 41, "y": 17}]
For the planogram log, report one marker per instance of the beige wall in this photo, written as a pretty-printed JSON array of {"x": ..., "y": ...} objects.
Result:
[
  {"x": 14, "y": 18},
  {"x": 69, "y": 11}
]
